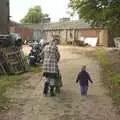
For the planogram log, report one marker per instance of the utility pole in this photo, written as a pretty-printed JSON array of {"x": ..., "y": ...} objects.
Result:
[{"x": 4, "y": 17}]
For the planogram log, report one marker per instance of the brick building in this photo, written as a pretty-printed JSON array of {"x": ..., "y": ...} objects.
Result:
[
  {"x": 4, "y": 16},
  {"x": 71, "y": 31},
  {"x": 25, "y": 32}
]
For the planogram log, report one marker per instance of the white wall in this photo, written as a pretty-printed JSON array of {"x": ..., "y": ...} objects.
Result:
[{"x": 117, "y": 42}]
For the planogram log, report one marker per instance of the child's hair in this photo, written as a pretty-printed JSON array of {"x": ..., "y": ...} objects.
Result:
[{"x": 83, "y": 68}]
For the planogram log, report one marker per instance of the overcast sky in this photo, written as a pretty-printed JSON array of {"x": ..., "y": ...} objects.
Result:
[{"x": 55, "y": 8}]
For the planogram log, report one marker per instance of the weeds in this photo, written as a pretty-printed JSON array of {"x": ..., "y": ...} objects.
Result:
[
  {"x": 110, "y": 76},
  {"x": 9, "y": 81},
  {"x": 35, "y": 69},
  {"x": 5, "y": 83}
]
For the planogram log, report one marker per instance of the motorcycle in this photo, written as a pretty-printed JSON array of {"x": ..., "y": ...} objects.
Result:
[{"x": 34, "y": 55}]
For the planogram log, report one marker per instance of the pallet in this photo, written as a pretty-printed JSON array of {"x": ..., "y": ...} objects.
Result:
[
  {"x": 14, "y": 59},
  {"x": 2, "y": 70}
]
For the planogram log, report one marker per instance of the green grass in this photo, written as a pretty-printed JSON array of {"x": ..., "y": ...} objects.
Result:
[
  {"x": 5, "y": 83},
  {"x": 35, "y": 69},
  {"x": 9, "y": 81},
  {"x": 110, "y": 77},
  {"x": 100, "y": 53}
]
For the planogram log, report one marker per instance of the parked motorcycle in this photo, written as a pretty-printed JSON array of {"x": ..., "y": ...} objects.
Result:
[{"x": 34, "y": 55}]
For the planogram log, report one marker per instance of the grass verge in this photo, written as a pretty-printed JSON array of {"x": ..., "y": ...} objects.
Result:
[
  {"x": 35, "y": 69},
  {"x": 9, "y": 81},
  {"x": 110, "y": 75},
  {"x": 5, "y": 83}
]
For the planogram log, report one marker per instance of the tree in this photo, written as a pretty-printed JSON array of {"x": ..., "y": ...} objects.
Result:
[
  {"x": 34, "y": 15},
  {"x": 99, "y": 13}
]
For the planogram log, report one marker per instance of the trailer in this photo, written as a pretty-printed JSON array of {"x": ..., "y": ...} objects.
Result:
[
  {"x": 4, "y": 17},
  {"x": 12, "y": 59}
]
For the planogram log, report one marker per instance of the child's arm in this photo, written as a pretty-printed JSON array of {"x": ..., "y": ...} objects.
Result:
[
  {"x": 89, "y": 78},
  {"x": 78, "y": 77}
]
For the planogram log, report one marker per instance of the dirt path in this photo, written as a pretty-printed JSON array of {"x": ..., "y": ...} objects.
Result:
[{"x": 29, "y": 103}]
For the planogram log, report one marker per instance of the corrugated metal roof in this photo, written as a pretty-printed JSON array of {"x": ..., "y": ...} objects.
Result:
[{"x": 80, "y": 24}]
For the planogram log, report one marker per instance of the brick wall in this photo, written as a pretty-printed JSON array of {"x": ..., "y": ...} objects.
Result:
[
  {"x": 88, "y": 33},
  {"x": 72, "y": 35},
  {"x": 26, "y": 33}
]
